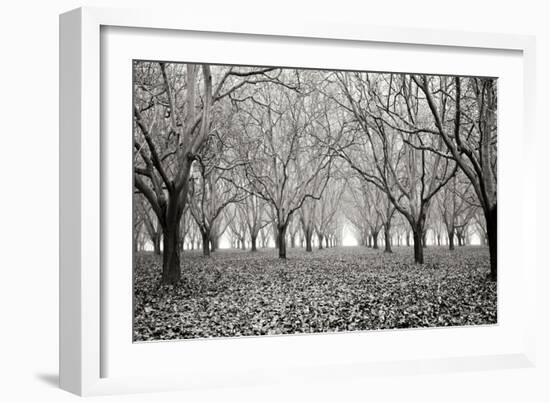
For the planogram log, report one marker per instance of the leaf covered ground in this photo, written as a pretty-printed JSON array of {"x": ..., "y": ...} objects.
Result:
[{"x": 238, "y": 293}]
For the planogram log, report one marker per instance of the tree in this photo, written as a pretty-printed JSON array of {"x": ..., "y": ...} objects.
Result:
[
  {"x": 150, "y": 222},
  {"x": 234, "y": 216},
  {"x": 173, "y": 113},
  {"x": 255, "y": 218},
  {"x": 307, "y": 221},
  {"x": 387, "y": 149},
  {"x": 472, "y": 140},
  {"x": 139, "y": 222},
  {"x": 452, "y": 205},
  {"x": 359, "y": 213},
  {"x": 211, "y": 191},
  {"x": 285, "y": 165},
  {"x": 327, "y": 209},
  {"x": 387, "y": 215}
]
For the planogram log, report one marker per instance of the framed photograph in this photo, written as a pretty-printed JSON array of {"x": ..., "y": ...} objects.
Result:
[{"x": 246, "y": 203}]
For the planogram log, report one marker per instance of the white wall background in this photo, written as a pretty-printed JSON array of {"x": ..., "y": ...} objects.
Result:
[{"x": 29, "y": 198}]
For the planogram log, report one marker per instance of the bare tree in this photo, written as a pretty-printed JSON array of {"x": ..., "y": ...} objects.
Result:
[
  {"x": 307, "y": 222},
  {"x": 286, "y": 165},
  {"x": 211, "y": 192},
  {"x": 235, "y": 218},
  {"x": 388, "y": 150},
  {"x": 150, "y": 223},
  {"x": 472, "y": 139},
  {"x": 359, "y": 213},
  {"x": 254, "y": 217},
  {"x": 173, "y": 113}
]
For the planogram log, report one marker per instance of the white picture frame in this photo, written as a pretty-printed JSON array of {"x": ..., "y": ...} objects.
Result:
[{"x": 85, "y": 342}]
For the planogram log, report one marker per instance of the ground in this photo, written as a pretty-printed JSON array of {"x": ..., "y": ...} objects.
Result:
[{"x": 239, "y": 293}]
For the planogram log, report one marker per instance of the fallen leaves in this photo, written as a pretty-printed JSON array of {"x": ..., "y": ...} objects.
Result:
[{"x": 237, "y": 293}]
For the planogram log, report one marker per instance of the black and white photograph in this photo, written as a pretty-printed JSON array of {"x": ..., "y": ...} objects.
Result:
[
  {"x": 268, "y": 202},
  {"x": 277, "y": 200}
]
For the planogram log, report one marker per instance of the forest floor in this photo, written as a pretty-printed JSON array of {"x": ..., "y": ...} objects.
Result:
[{"x": 239, "y": 293}]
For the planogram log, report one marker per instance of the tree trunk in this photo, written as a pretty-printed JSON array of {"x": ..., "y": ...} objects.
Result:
[
  {"x": 308, "y": 235},
  {"x": 387, "y": 238},
  {"x": 253, "y": 243},
  {"x": 451, "y": 236},
  {"x": 293, "y": 240},
  {"x": 418, "y": 246},
  {"x": 171, "y": 254},
  {"x": 281, "y": 241},
  {"x": 320, "y": 237},
  {"x": 327, "y": 242},
  {"x": 491, "y": 218},
  {"x": 205, "y": 244}
]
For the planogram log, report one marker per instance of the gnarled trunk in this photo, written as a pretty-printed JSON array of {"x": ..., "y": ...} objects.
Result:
[
  {"x": 253, "y": 243},
  {"x": 418, "y": 246},
  {"x": 418, "y": 236},
  {"x": 375, "y": 240},
  {"x": 281, "y": 240},
  {"x": 171, "y": 253}
]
